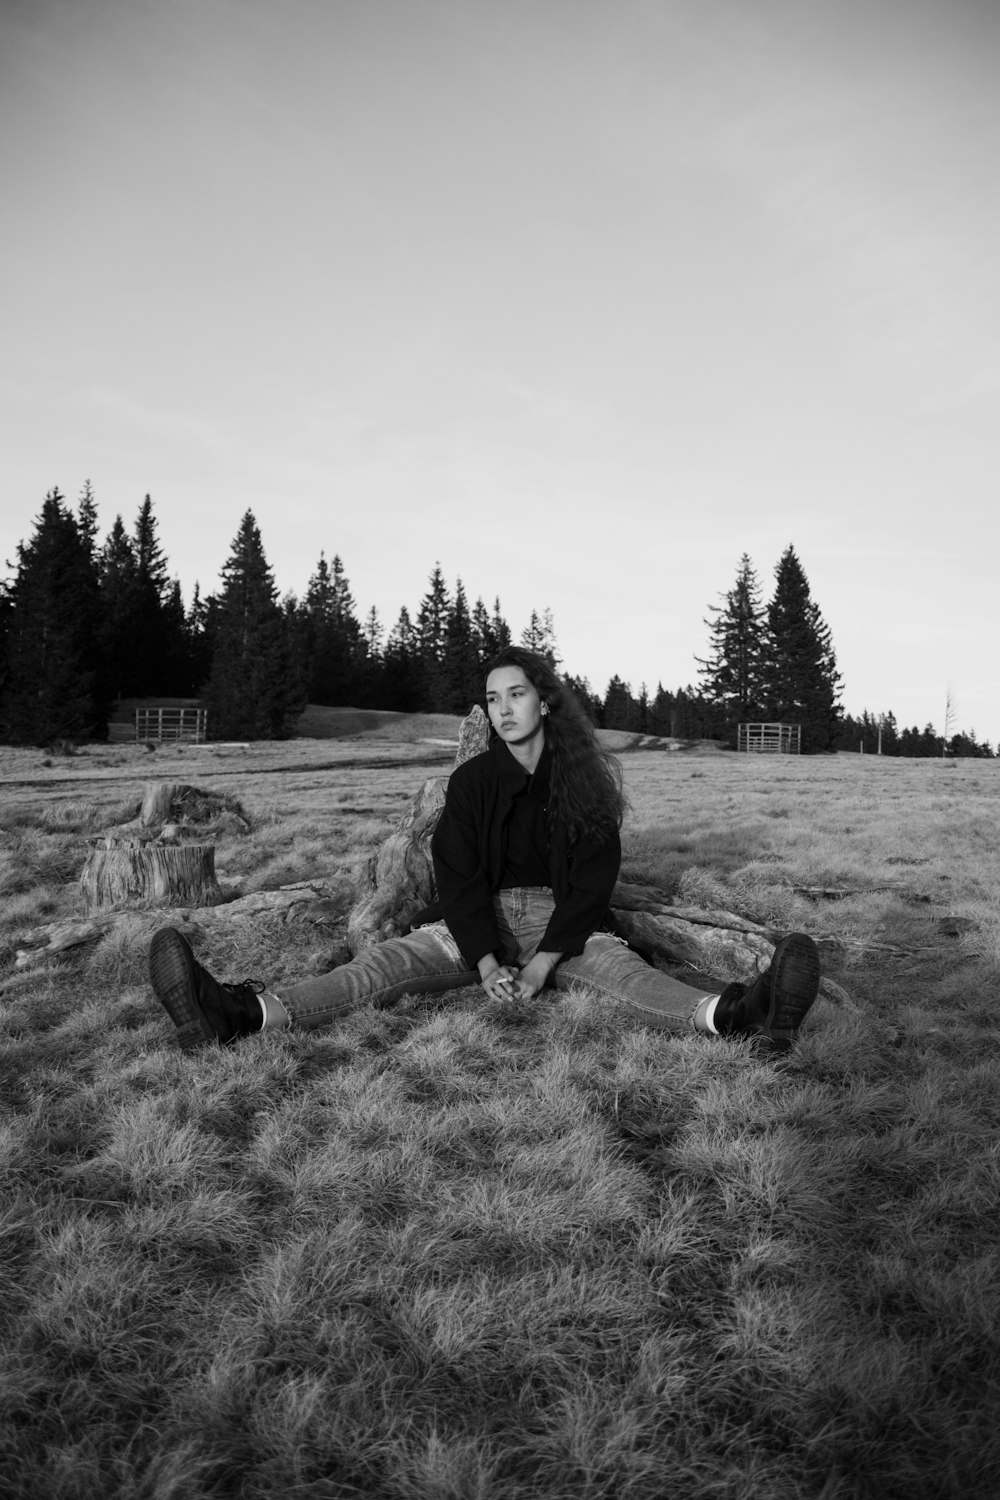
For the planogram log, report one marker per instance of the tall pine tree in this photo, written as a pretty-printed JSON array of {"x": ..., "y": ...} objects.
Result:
[
  {"x": 539, "y": 635},
  {"x": 401, "y": 676},
  {"x": 52, "y": 689},
  {"x": 432, "y": 636},
  {"x": 145, "y": 651},
  {"x": 336, "y": 643},
  {"x": 733, "y": 672},
  {"x": 150, "y": 586},
  {"x": 461, "y": 678},
  {"x": 116, "y": 568},
  {"x": 86, "y": 518},
  {"x": 252, "y": 692},
  {"x": 800, "y": 680},
  {"x": 199, "y": 636}
]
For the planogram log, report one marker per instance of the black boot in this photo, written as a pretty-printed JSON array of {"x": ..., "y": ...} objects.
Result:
[
  {"x": 772, "y": 1009},
  {"x": 202, "y": 1009}
]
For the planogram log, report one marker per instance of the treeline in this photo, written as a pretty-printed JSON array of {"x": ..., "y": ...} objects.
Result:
[
  {"x": 87, "y": 622},
  {"x": 879, "y": 734}
]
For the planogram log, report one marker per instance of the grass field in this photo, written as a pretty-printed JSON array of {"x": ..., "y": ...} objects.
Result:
[{"x": 457, "y": 1249}]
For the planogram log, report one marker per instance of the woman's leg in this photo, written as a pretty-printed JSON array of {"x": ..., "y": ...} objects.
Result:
[
  {"x": 426, "y": 961},
  {"x": 606, "y": 964},
  {"x": 769, "y": 1010},
  {"x": 205, "y": 1009}
]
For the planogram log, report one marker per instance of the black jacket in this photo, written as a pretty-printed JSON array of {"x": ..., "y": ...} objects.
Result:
[{"x": 469, "y": 852}]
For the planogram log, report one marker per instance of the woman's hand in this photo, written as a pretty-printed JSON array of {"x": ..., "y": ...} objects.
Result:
[
  {"x": 498, "y": 981},
  {"x": 535, "y": 974}
]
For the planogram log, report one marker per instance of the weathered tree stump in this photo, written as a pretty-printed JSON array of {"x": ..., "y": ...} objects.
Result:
[
  {"x": 131, "y": 872},
  {"x": 175, "y": 802},
  {"x": 399, "y": 879}
]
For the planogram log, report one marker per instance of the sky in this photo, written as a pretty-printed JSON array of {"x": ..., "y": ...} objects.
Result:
[{"x": 580, "y": 299}]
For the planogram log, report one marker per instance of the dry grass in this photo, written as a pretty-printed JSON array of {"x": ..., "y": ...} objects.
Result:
[{"x": 465, "y": 1249}]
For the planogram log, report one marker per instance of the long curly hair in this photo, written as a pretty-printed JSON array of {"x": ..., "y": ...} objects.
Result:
[{"x": 585, "y": 783}]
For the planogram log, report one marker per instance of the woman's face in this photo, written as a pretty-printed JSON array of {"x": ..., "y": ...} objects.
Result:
[{"x": 514, "y": 706}]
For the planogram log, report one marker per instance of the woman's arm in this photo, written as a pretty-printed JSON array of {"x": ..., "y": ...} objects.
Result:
[
  {"x": 463, "y": 885},
  {"x": 583, "y": 900}
]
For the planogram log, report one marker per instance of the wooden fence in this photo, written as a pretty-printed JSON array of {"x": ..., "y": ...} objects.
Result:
[
  {"x": 770, "y": 739},
  {"x": 171, "y": 724}
]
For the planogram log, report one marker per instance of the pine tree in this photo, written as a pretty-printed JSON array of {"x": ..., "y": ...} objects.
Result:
[
  {"x": 373, "y": 633},
  {"x": 461, "y": 680},
  {"x": 733, "y": 672},
  {"x": 920, "y": 743},
  {"x": 175, "y": 666},
  {"x": 618, "y": 707},
  {"x": 401, "y": 674},
  {"x": 52, "y": 689},
  {"x": 540, "y": 635},
  {"x": 550, "y": 648},
  {"x": 199, "y": 630},
  {"x": 483, "y": 636},
  {"x": 336, "y": 653},
  {"x": 251, "y": 692},
  {"x": 156, "y": 636},
  {"x": 501, "y": 630},
  {"x": 6, "y": 622},
  {"x": 143, "y": 637},
  {"x": 800, "y": 679},
  {"x": 370, "y": 693},
  {"x": 661, "y": 712},
  {"x": 86, "y": 518},
  {"x": 585, "y": 696},
  {"x": 533, "y": 634},
  {"x": 432, "y": 635},
  {"x": 116, "y": 570}
]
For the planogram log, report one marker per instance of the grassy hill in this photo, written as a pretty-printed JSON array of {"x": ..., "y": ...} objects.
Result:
[{"x": 321, "y": 723}]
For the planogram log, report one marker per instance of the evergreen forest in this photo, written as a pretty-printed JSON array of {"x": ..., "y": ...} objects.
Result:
[{"x": 86, "y": 622}]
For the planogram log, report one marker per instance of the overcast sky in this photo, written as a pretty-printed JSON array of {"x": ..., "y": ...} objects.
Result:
[{"x": 580, "y": 298}]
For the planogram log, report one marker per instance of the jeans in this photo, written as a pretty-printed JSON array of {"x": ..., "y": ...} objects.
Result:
[{"x": 427, "y": 961}]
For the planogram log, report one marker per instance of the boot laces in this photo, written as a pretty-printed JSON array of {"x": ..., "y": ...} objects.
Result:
[{"x": 237, "y": 988}]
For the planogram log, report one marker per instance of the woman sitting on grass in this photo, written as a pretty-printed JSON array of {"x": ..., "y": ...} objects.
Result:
[{"x": 526, "y": 855}]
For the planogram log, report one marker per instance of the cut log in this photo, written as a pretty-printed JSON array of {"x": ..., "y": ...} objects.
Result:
[
  {"x": 312, "y": 902},
  {"x": 735, "y": 952},
  {"x": 838, "y": 893},
  {"x": 132, "y": 874}
]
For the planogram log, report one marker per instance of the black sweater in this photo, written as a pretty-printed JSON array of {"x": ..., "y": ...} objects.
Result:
[{"x": 469, "y": 848}]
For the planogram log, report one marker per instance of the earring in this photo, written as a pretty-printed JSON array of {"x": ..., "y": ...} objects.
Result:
[{"x": 545, "y": 709}]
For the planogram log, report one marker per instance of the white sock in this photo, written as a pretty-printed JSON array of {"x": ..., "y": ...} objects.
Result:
[
  {"x": 275, "y": 1014},
  {"x": 704, "y": 1016}
]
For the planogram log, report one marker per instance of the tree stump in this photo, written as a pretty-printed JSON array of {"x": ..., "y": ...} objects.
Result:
[
  {"x": 399, "y": 879},
  {"x": 158, "y": 799},
  {"x": 130, "y": 872},
  {"x": 177, "y": 802}
]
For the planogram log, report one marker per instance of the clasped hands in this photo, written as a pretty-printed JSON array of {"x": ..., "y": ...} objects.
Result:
[{"x": 506, "y": 982}]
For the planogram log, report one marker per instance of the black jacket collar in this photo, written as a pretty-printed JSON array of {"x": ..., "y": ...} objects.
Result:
[{"x": 513, "y": 775}]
